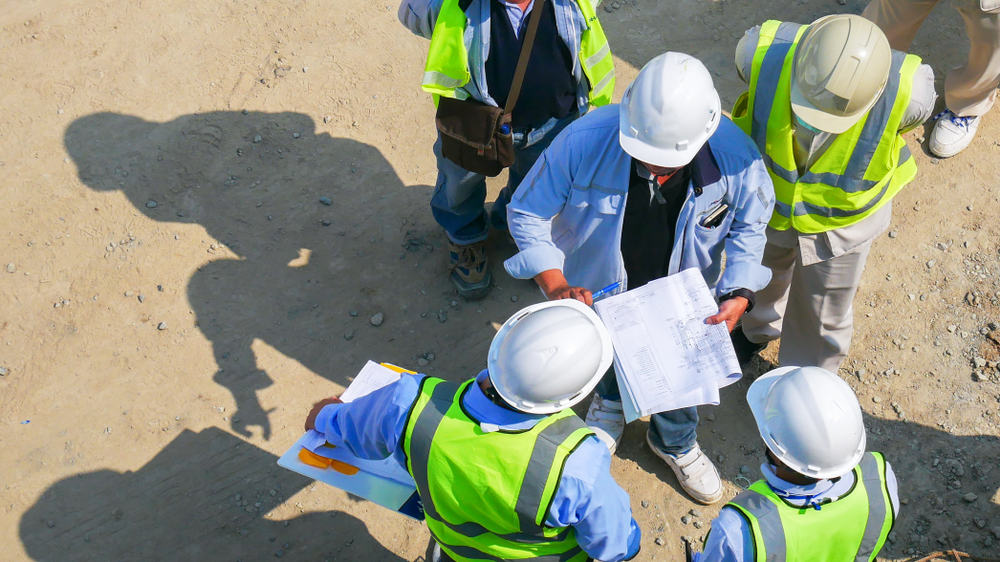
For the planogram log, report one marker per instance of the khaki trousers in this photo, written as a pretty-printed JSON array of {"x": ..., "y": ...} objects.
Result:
[
  {"x": 971, "y": 89},
  {"x": 809, "y": 307}
]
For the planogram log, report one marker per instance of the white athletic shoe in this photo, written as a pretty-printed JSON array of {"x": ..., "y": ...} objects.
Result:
[
  {"x": 695, "y": 473},
  {"x": 607, "y": 419},
  {"x": 952, "y": 133}
]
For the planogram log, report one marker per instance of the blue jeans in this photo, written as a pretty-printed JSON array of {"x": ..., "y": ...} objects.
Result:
[
  {"x": 458, "y": 202},
  {"x": 672, "y": 432}
]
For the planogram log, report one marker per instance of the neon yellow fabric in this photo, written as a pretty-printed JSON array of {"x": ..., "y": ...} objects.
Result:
[
  {"x": 833, "y": 533},
  {"x": 475, "y": 479},
  {"x": 836, "y": 191},
  {"x": 447, "y": 67}
]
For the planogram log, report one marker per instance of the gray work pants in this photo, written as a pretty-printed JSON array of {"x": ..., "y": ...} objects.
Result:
[
  {"x": 808, "y": 307},
  {"x": 970, "y": 89}
]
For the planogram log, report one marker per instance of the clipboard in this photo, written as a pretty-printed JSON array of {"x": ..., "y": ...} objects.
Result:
[{"x": 383, "y": 482}]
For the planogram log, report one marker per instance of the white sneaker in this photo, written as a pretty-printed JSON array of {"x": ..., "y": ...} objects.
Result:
[
  {"x": 952, "y": 133},
  {"x": 607, "y": 419},
  {"x": 695, "y": 473}
]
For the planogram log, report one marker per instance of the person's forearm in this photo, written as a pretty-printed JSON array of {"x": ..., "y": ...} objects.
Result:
[{"x": 551, "y": 280}]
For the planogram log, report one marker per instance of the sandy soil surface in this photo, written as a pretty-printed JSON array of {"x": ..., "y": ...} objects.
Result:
[{"x": 205, "y": 203}]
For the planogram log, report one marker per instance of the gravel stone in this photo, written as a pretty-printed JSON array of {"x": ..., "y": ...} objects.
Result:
[
  {"x": 442, "y": 316},
  {"x": 659, "y": 541},
  {"x": 326, "y": 201},
  {"x": 151, "y": 204},
  {"x": 377, "y": 319},
  {"x": 685, "y": 519},
  {"x": 353, "y": 313},
  {"x": 349, "y": 335},
  {"x": 4, "y": 371},
  {"x": 11, "y": 268},
  {"x": 161, "y": 326},
  {"x": 514, "y": 298},
  {"x": 257, "y": 139},
  {"x": 970, "y": 497},
  {"x": 422, "y": 362},
  {"x": 644, "y": 504},
  {"x": 141, "y": 298},
  {"x": 893, "y": 234},
  {"x": 698, "y": 524}
]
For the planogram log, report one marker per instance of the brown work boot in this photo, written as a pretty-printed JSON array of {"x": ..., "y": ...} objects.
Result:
[{"x": 470, "y": 271}]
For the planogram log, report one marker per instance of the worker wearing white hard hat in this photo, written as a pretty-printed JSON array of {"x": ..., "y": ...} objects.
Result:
[
  {"x": 633, "y": 192},
  {"x": 483, "y": 452},
  {"x": 823, "y": 497},
  {"x": 827, "y": 105}
]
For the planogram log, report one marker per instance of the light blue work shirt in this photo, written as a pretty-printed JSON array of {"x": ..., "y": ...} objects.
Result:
[
  {"x": 568, "y": 212},
  {"x": 587, "y": 497},
  {"x": 419, "y": 16},
  {"x": 730, "y": 539}
]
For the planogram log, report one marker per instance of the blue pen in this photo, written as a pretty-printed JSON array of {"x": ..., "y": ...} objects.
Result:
[{"x": 606, "y": 290}]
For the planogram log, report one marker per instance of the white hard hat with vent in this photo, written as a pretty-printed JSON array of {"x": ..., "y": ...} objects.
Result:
[
  {"x": 549, "y": 356},
  {"x": 810, "y": 419},
  {"x": 840, "y": 68},
  {"x": 669, "y": 111}
]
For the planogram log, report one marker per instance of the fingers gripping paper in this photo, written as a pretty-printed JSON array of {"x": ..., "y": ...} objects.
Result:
[{"x": 666, "y": 356}]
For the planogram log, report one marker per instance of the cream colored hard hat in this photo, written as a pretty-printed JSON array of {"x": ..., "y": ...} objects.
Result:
[
  {"x": 840, "y": 69},
  {"x": 549, "y": 356},
  {"x": 669, "y": 111},
  {"x": 810, "y": 419}
]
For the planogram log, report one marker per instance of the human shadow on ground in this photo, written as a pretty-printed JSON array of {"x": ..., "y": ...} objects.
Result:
[
  {"x": 936, "y": 471},
  {"x": 323, "y": 231},
  {"x": 203, "y": 497}
]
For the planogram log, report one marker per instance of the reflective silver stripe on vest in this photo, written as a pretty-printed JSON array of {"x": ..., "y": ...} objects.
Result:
[
  {"x": 774, "y": 61},
  {"x": 604, "y": 82},
  {"x": 420, "y": 445},
  {"x": 872, "y": 478},
  {"x": 596, "y": 57},
  {"x": 769, "y": 521},
  {"x": 853, "y": 179},
  {"x": 433, "y": 78},
  {"x": 469, "y": 552},
  {"x": 539, "y": 466}
]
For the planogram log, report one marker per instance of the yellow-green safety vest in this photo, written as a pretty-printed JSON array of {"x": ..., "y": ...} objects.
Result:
[
  {"x": 854, "y": 527},
  {"x": 861, "y": 170},
  {"x": 486, "y": 495},
  {"x": 447, "y": 68}
]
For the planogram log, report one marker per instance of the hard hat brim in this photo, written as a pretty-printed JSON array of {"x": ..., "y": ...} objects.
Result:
[
  {"x": 757, "y": 394},
  {"x": 822, "y": 120},
  {"x": 657, "y": 156}
]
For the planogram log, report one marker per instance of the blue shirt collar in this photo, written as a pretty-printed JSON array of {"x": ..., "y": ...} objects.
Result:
[
  {"x": 807, "y": 494},
  {"x": 704, "y": 169},
  {"x": 493, "y": 417}
]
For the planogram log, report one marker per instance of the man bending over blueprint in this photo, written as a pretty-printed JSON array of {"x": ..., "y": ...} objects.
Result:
[{"x": 633, "y": 192}]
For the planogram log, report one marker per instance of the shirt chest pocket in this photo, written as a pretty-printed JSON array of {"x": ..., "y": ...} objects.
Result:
[{"x": 589, "y": 200}]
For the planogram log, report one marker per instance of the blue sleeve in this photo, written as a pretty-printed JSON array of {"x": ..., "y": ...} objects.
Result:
[
  {"x": 419, "y": 16},
  {"x": 540, "y": 196},
  {"x": 589, "y": 500},
  {"x": 729, "y": 540},
  {"x": 754, "y": 202},
  {"x": 892, "y": 486},
  {"x": 370, "y": 427}
]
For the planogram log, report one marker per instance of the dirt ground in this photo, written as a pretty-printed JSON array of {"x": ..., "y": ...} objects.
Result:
[{"x": 205, "y": 203}]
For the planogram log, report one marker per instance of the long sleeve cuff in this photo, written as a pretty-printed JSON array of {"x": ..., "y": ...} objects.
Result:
[{"x": 531, "y": 261}]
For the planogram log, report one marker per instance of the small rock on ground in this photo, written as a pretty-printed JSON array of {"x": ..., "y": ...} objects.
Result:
[{"x": 377, "y": 319}]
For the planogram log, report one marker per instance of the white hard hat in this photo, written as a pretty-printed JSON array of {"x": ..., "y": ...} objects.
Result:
[
  {"x": 810, "y": 419},
  {"x": 840, "y": 69},
  {"x": 669, "y": 111},
  {"x": 549, "y": 356}
]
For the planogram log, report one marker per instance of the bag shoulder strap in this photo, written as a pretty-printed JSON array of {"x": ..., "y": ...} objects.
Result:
[{"x": 522, "y": 59}]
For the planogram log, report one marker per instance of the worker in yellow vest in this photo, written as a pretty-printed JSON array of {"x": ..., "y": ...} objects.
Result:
[
  {"x": 474, "y": 48},
  {"x": 827, "y": 105},
  {"x": 822, "y": 498},
  {"x": 504, "y": 469}
]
